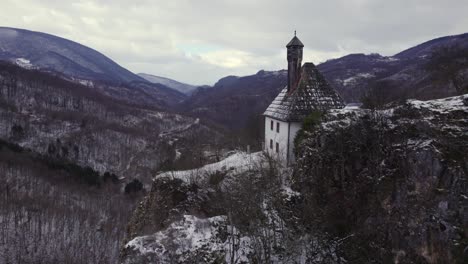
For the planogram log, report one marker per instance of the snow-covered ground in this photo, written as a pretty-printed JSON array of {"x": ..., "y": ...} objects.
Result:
[
  {"x": 427, "y": 109},
  {"x": 236, "y": 163},
  {"x": 443, "y": 105},
  {"x": 191, "y": 240}
]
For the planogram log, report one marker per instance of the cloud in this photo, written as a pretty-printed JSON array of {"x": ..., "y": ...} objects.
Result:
[{"x": 201, "y": 41}]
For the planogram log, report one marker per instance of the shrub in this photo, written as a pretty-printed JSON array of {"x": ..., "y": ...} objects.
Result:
[
  {"x": 308, "y": 125},
  {"x": 11, "y": 146},
  {"x": 133, "y": 187},
  {"x": 17, "y": 132},
  {"x": 216, "y": 177},
  {"x": 110, "y": 177}
]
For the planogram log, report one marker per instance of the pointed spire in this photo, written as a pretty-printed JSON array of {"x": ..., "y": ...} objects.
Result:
[{"x": 295, "y": 42}]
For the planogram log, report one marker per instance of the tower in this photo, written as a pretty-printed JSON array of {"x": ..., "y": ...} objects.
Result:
[
  {"x": 294, "y": 62},
  {"x": 307, "y": 92}
]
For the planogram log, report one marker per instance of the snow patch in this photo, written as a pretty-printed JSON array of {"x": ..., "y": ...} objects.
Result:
[
  {"x": 390, "y": 59},
  {"x": 353, "y": 106},
  {"x": 178, "y": 154},
  {"x": 24, "y": 63},
  {"x": 290, "y": 193},
  {"x": 353, "y": 79},
  {"x": 87, "y": 83},
  {"x": 419, "y": 143}
]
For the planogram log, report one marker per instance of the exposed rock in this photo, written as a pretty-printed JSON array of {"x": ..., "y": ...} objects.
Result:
[{"x": 396, "y": 179}]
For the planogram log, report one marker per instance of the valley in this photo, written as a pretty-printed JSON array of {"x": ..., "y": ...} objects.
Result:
[{"x": 101, "y": 165}]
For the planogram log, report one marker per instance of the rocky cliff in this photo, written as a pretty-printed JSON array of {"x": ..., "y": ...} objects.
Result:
[
  {"x": 393, "y": 181},
  {"x": 386, "y": 186}
]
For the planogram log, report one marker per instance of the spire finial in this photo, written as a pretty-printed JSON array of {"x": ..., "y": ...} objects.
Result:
[{"x": 294, "y": 32}]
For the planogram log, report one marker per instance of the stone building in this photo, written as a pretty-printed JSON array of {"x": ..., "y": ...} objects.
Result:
[{"x": 307, "y": 91}]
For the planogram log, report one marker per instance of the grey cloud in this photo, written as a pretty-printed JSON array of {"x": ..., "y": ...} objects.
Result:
[{"x": 147, "y": 36}]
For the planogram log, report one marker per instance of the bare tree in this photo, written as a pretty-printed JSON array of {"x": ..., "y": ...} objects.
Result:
[{"x": 450, "y": 63}]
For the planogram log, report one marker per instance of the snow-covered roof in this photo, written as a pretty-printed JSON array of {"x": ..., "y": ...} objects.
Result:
[{"x": 313, "y": 93}]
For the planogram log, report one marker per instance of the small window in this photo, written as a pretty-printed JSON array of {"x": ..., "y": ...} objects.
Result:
[
  {"x": 277, "y": 147},
  {"x": 271, "y": 126},
  {"x": 271, "y": 143},
  {"x": 277, "y": 127}
]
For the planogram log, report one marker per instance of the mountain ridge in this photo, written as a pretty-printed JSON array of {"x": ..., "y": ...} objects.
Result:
[
  {"x": 81, "y": 61},
  {"x": 402, "y": 76},
  {"x": 171, "y": 83}
]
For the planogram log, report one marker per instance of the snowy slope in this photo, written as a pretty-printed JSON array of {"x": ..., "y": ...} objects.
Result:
[
  {"x": 50, "y": 52},
  {"x": 177, "y": 222},
  {"x": 191, "y": 240},
  {"x": 181, "y": 87},
  {"x": 235, "y": 164}
]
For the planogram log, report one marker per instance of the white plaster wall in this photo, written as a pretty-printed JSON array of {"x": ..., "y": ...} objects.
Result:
[
  {"x": 293, "y": 129},
  {"x": 281, "y": 138}
]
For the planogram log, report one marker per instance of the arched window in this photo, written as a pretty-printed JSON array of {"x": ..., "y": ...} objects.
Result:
[
  {"x": 277, "y": 147},
  {"x": 271, "y": 125},
  {"x": 271, "y": 143}
]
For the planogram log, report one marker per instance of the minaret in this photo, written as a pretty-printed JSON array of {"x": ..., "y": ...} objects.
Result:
[{"x": 294, "y": 62}]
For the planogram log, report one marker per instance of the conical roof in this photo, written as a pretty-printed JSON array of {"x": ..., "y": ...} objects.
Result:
[
  {"x": 313, "y": 93},
  {"x": 295, "y": 42}
]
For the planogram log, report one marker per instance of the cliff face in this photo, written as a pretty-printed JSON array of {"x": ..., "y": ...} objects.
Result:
[
  {"x": 77, "y": 123},
  {"x": 393, "y": 181},
  {"x": 385, "y": 186}
]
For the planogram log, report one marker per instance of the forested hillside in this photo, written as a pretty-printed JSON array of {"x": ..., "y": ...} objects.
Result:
[
  {"x": 74, "y": 162},
  {"x": 57, "y": 212},
  {"x": 76, "y": 123}
]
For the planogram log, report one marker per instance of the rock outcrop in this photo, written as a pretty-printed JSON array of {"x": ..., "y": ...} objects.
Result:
[{"x": 395, "y": 180}]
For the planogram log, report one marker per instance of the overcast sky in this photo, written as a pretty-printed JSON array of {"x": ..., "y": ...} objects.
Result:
[{"x": 200, "y": 41}]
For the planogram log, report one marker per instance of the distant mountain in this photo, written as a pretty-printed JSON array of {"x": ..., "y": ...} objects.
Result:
[
  {"x": 425, "y": 49},
  {"x": 83, "y": 65},
  {"x": 402, "y": 75},
  {"x": 32, "y": 49},
  {"x": 234, "y": 101},
  {"x": 173, "y": 84}
]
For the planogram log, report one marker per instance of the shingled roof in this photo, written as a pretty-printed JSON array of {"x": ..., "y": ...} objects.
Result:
[
  {"x": 312, "y": 93},
  {"x": 295, "y": 42}
]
